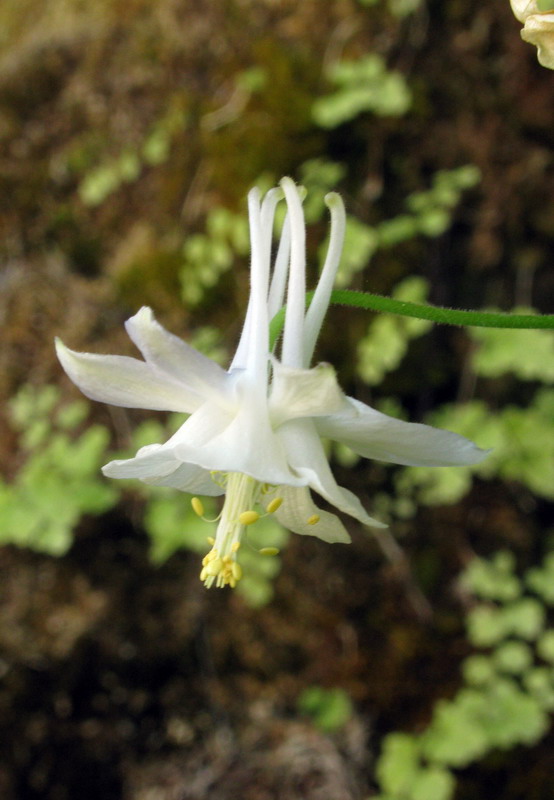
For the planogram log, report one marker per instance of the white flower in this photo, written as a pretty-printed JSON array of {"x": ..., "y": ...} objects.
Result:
[
  {"x": 254, "y": 432},
  {"x": 538, "y": 28}
]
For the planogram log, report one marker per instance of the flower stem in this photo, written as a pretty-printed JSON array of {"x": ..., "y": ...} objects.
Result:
[{"x": 443, "y": 316}]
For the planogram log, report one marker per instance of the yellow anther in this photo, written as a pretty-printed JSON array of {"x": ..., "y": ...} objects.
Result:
[
  {"x": 210, "y": 540},
  {"x": 269, "y": 551},
  {"x": 214, "y": 566},
  {"x": 203, "y": 574},
  {"x": 197, "y": 506},
  {"x": 274, "y": 505},
  {"x": 210, "y": 557},
  {"x": 235, "y": 546},
  {"x": 313, "y": 520},
  {"x": 236, "y": 571},
  {"x": 248, "y": 517}
]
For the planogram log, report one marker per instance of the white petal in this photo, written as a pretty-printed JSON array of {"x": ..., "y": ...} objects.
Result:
[
  {"x": 156, "y": 465},
  {"x": 293, "y": 331},
  {"x": 252, "y": 351},
  {"x": 378, "y": 436},
  {"x": 279, "y": 278},
  {"x": 523, "y": 8},
  {"x": 174, "y": 357},
  {"x": 296, "y": 510},
  {"x": 306, "y": 456},
  {"x": 320, "y": 301},
  {"x": 303, "y": 392},
  {"x": 124, "y": 381},
  {"x": 242, "y": 442},
  {"x": 539, "y": 30},
  {"x": 154, "y": 460}
]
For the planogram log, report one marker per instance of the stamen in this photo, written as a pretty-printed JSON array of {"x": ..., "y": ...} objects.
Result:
[
  {"x": 197, "y": 506},
  {"x": 243, "y": 493},
  {"x": 313, "y": 520},
  {"x": 248, "y": 517},
  {"x": 274, "y": 505},
  {"x": 269, "y": 551}
]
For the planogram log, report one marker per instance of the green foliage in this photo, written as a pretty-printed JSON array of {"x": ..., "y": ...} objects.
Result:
[
  {"x": 428, "y": 213},
  {"x": 329, "y": 709},
  {"x": 362, "y": 85},
  {"x": 493, "y": 579},
  {"x": 206, "y": 256},
  {"x": 107, "y": 177},
  {"x": 387, "y": 339},
  {"x": 172, "y": 525},
  {"x": 541, "y": 580},
  {"x": 398, "y": 764},
  {"x": 59, "y": 479},
  {"x": 529, "y": 355},
  {"x": 545, "y": 5},
  {"x": 505, "y": 699},
  {"x": 431, "y": 208},
  {"x": 400, "y": 8}
]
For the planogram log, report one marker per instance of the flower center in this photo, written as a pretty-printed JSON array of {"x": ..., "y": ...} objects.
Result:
[{"x": 220, "y": 565}]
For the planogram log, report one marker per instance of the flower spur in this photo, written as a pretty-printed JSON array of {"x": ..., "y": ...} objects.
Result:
[{"x": 254, "y": 432}]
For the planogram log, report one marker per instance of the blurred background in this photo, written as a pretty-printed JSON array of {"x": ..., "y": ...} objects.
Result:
[{"x": 414, "y": 666}]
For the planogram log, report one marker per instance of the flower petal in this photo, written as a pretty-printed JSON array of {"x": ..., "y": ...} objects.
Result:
[
  {"x": 124, "y": 381},
  {"x": 539, "y": 30},
  {"x": 523, "y": 8},
  {"x": 303, "y": 392},
  {"x": 306, "y": 456},
  {"x": 322, "y": 295},
  {"x": 298, "y": 507},
  {"x": 378, "y": 436},
  {"x": 242, "y": 441},
  {"x": 173, "y": 356},
  {"x": 156, "y": 465}
]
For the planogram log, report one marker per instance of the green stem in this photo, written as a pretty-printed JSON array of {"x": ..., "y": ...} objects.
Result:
[{"x": 444, "y": 316}]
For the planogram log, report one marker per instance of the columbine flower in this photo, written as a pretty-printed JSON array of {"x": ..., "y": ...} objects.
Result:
[
  {"x": 254, "y": 432},
  {"x": 538, "y": 16}
]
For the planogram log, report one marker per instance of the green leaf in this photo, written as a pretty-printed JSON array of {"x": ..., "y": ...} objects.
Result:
[
  {"x": 545, "y": 646},
  {"x": 478, "y": 670},
  {"x": 511, "y": 717},
  {"x": 398, "y": 764},
  {"x": 330, "y": 709},
  {"x": 455, "y": 736},
  {"x": 525, "y": 618},
  {"x": 541, "y": 579},
  {"x": 433, "y": 783},
  {"x": 486, "y": 626},
  {"x": 493, "y": 579},
  {"x": 513, "y": 657},
  {"x": 529, "y": 355},
  {"x": 362, "y": 85},
  {"x": 539, "y": 682}
]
